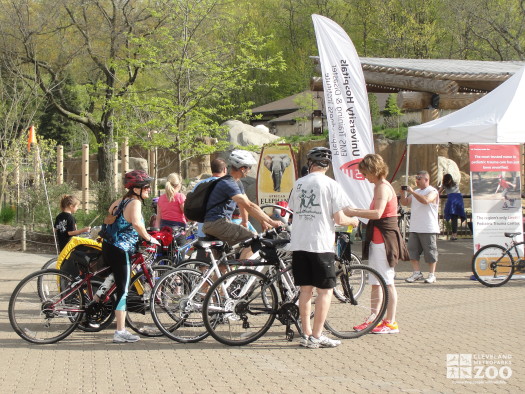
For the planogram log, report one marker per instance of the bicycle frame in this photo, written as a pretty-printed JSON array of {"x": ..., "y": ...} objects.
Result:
[{"x": 138, "y": 261}]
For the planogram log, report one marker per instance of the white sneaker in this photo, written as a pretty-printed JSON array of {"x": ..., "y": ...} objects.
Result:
[
  {"x": 431, "y": 279},
  {"x": 415, "y": 276},
  {"x": 322, "y": 341},
  {"x": 303, "y": 340},
  {"x": 124, "y": 336}
]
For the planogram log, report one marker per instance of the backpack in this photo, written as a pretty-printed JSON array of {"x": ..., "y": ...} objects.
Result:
[
  {"x": 197, "y": 200},
  {"x": 109, "y": 230}
]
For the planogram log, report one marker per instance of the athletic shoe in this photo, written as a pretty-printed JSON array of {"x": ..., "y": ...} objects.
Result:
[
  {"x": 303, "y": 340},
  {"x": 386, "y": 327},
  {"x": 415, "y": 276},
  {"x": 431, "y": 279},
  {"x": 124, "y": 336},
  {"x": 322, "y": 341},
  {"x": 364, "y": 325}
]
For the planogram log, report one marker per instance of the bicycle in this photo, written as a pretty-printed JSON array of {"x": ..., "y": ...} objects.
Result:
[
  {"x": 180, "y": 246},
  {"x": 242, "y": 305},
  {"x": 493, "y": 265},
  {"x": 176, "y": 301},
  {"x": 47, "y": 305}
]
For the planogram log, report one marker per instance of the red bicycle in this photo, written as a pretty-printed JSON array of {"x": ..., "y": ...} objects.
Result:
[{"x": 48, "y": 305}]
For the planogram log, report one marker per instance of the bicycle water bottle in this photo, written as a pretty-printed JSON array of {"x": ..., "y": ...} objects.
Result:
[{"x": 105, "y": 286}]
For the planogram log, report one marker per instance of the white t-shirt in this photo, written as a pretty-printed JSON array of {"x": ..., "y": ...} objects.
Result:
[
  {"x": 315, "y": 199},
  {"x": 424, "y": 217}
]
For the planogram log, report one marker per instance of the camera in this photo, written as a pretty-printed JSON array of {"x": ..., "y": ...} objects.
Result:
[{"x": 404, "y": 187}]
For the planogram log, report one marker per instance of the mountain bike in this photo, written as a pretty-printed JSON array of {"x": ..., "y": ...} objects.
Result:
[
  {"x": 47, "y": 305},
  {"x": 176, "y": 301},
  {"x": 493, "y": 265},
  {"x": 242, "y": 305}
]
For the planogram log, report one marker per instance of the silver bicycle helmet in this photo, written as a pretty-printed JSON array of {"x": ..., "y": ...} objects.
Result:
[
  {"x": 241, "y": 158},
  {"x": 320, "y": 156}
]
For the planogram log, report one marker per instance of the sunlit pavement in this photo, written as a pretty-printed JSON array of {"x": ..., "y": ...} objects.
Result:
[{"x": 456, "y": 336}]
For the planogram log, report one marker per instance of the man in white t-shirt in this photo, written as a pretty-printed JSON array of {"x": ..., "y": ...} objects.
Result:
[
  {"x": 424, "y": 226},
  {"x": 317, "y": 202}
]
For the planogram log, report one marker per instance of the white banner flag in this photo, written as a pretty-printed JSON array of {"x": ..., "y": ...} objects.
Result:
[{"x": 346, "y": 108}]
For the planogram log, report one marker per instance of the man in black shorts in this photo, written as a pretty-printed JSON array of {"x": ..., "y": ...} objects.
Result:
[{"x": 318, "y": 202}]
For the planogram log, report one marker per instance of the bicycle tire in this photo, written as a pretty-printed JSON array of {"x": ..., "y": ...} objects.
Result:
[
  {"x": 356, "y": 282},
  {"x": 345, "y": 315},
  {"x": 493, "y": 265},
  {"x": 138, "y": 316},
  {"x": 32, "y": 313},
  {"x": 175, "y": 315},
  {"x": 50, "y": 264},
  {"x": 246, "y": 313}
]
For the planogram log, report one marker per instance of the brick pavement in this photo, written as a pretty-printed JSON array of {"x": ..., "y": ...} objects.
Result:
[{"x": 454, "y": 316}]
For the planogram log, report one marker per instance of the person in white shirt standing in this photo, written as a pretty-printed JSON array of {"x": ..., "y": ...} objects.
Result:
[
  {"x": 317, "y": 202},
  {"x": 424, "y": 226}
]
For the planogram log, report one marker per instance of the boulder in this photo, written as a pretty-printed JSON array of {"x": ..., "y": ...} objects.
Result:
[
  {"x": 242, "y": 134},
  {"x": 448, "y": 166}
]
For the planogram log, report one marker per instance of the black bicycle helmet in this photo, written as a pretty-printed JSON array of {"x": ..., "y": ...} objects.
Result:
[
  {"x": 320, "y": 156},
  {"x": 136, "y": 178}
]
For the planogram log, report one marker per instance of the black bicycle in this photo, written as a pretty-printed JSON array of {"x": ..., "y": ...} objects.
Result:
[
  {"x": 493, "y": 265},
  {"x": 242, "y": 305}
]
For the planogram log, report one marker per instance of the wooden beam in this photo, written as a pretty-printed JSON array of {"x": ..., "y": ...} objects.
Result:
[
  {"x": 421, "y": 100},
  {"x": 411, "y": 83}
]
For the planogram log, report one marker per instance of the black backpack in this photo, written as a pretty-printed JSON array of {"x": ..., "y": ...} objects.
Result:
[{"x": 196, "y": 200}]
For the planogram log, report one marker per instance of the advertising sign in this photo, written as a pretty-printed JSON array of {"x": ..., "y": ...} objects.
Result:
[
  {"x": 276, "y": 174},
  {"x": 496, "y": 194},
  {"x": 346, "y": 109}
]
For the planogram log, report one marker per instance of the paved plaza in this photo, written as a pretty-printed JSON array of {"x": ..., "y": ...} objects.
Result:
[{"x": 456, "y": 336}]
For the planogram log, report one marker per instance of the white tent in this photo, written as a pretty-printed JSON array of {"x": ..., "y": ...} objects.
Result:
[{"x": 497, "y": 117}]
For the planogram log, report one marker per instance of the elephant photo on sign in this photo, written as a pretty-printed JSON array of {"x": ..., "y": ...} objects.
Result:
[{"x": 276, "y": 164}]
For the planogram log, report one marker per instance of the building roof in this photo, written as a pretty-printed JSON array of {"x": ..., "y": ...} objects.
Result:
[
  {"x": 464, "y": 75},
  {"x": 287, "y": 104},
  {"x": 443, "y": 68}
]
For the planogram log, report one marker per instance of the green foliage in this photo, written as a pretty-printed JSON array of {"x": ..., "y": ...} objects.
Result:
[
  {"x": 7, "y": 214},
  {"x": 398, "y": 133},
  {"x": 306, "y": 104},
  {"x": 34, "y": 210},
  {"x": 375, "y": 112},
  {"x": 391, "y": 108}
]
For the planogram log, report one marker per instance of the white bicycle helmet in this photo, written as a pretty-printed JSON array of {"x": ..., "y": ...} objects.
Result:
[{"x": 241, "y": 158}]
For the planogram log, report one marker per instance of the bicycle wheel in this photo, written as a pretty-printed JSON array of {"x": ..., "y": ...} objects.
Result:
[
  {"x": 358, "y": 306},
  {"x": 246, "y": 310},
  {"x": 138, "y": 316},
  {"x": 356, "y": 282},
  {"x": 42, "y": 311},
  {"x": 177, "y": 313},
  {"x": 51, "y": 263},
  {"x": 493, "y": 265}
]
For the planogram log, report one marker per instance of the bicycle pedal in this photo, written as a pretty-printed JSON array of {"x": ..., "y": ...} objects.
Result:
[
  {"x": 290, "y": 334},
  {"x": 245, "y": 324}
]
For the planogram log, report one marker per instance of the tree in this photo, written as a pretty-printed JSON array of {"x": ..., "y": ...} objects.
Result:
[
  {"x": 197, "y": 82},
  {"x": 19, "y": 102},
  {"x": 103, "y": 44}
]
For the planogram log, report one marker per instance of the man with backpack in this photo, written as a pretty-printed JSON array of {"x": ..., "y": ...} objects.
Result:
[{"x": 225, "y": 196}]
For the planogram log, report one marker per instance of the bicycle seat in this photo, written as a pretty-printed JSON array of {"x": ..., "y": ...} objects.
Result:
[
  {"x": 511, "y": 235},
  {"x": 201, "y": 244},
  {"x": 274, "y": 243}
]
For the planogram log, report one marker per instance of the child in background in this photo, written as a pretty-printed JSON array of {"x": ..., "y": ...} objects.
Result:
[{"x": 65, "y": 223}]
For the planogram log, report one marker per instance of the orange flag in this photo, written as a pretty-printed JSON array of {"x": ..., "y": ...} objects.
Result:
[{"x": 31, "y": 139}]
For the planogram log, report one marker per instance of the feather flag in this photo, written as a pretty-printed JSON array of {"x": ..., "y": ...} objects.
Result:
[
  {"x": 31, "y": 139},
  {"x": 347, "y": 109}
]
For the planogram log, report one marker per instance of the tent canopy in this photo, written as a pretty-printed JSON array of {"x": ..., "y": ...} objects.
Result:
[{"x": 497, "y": 117}]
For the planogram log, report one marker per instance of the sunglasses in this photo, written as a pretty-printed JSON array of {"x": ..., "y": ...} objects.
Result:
[
  {"x": 147, "y": 187},
  {"x": 418, "y": 177}
]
